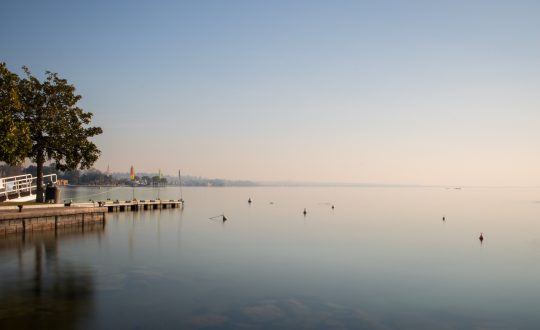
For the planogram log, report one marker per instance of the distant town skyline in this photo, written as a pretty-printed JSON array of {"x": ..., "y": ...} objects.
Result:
[{"x": 412, "y": 92}]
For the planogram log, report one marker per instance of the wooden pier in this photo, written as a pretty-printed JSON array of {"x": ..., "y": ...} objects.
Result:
[
  {"x": 140, "y": 205},
  {"x": 51, "y": 217}
]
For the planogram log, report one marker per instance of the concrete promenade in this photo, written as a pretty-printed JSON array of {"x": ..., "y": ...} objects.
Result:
[{"x": 41, "y": 217}]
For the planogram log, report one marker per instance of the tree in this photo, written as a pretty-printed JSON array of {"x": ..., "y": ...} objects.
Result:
[
  {"x": 15, "y": 141},
  {"x": 58, "y": 127},
  {"x": 146, "y": 180}
]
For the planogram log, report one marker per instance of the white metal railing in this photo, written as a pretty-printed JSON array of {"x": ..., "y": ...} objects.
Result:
[{"x": 12, "y": 187}]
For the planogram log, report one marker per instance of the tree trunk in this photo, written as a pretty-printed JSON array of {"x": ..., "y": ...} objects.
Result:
[{"x": 39, "y": 180}]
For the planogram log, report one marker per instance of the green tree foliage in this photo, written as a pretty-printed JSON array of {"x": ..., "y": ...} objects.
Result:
[
  {"x": 58, "y": 127},
  {"x": 146, "y": 180},
  {"x": 15, "y": 143}
]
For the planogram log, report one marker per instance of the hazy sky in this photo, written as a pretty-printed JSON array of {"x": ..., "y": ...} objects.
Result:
[{"x": 425, "y": 92}]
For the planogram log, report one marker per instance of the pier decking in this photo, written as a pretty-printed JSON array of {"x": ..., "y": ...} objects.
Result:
[
  {"x": 138, "y": 205},
  {"x": 52, "y": 217}
]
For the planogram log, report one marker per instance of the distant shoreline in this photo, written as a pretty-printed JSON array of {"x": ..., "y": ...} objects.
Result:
[{"x": 308, "y": 185}]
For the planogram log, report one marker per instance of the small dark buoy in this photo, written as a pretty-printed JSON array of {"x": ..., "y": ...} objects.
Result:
[
  {"x": 332, "y": 207},
  {"x": 481, "y": 238},
  {"x": 224, "y": 218},
  {"x": 249, "y": 200},
  {"x": 305, "y": 212},
  {"x": 443, "y": 219}
]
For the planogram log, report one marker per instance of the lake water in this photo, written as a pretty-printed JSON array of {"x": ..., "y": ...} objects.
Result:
[{"x": 382, "y": 259}]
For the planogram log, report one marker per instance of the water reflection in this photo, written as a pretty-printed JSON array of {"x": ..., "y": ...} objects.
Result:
[
  {"x": 39, "y": 290},
  {"x": 382, "y": 260}
]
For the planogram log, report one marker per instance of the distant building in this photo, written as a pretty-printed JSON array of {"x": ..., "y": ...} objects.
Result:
[{"x": 62, "y": 182}]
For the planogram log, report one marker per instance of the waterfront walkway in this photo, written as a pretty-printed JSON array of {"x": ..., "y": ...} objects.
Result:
[{"x": 14, "y": 219}]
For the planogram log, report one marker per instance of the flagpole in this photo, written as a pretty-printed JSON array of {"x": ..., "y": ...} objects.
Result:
[
  {"x": 159, "y": 184},
  {"x": 180, "y": 183}
]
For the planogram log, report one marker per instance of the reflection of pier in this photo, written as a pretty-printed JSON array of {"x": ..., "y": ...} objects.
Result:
[{"x": 43, "y": 289}]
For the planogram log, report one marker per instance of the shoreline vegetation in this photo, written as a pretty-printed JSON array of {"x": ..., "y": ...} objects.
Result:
[{"x": 96, "y": 178}]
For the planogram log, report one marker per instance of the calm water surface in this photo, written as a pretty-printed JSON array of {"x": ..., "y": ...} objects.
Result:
[{"x": 382, "y": 259}]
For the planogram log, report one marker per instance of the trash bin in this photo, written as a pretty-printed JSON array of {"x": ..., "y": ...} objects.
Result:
[{"x": 52, "y": 194}]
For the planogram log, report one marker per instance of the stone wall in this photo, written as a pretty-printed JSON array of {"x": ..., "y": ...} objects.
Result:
[{"x": 49, "y": 222}]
